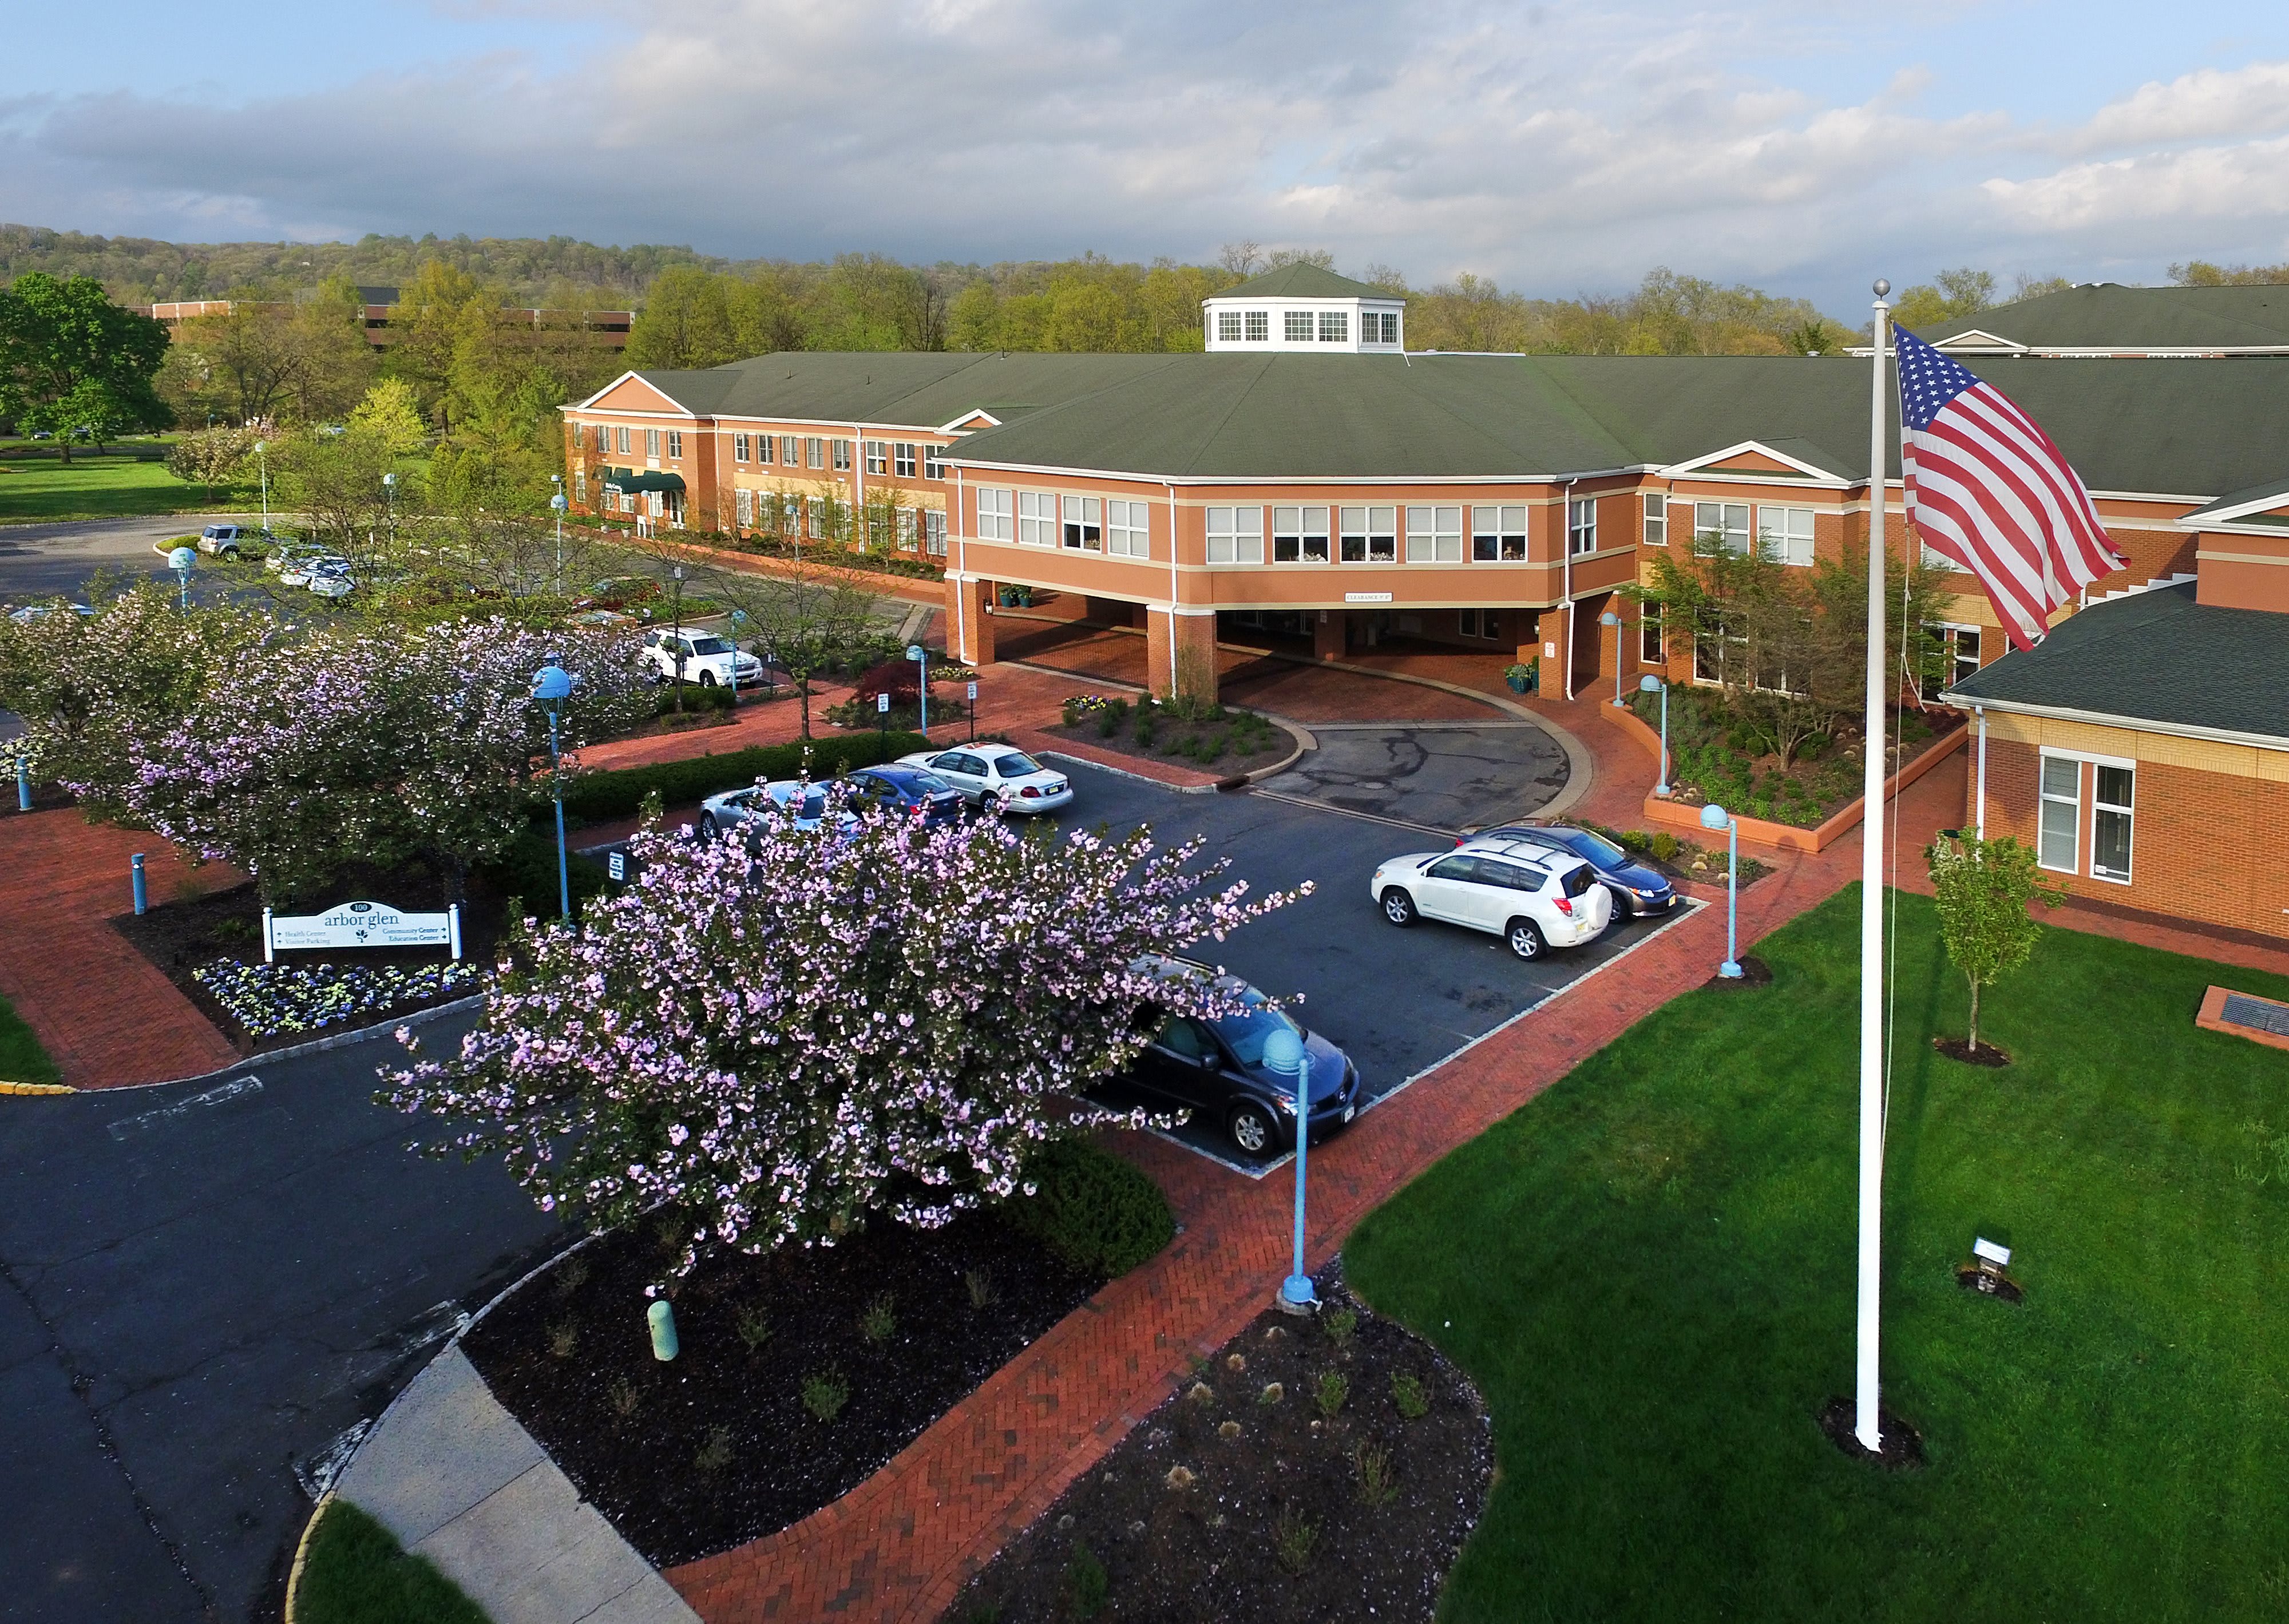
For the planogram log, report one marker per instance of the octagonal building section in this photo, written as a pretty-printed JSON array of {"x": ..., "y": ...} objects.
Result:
[{"x": 1302, "y": 308}]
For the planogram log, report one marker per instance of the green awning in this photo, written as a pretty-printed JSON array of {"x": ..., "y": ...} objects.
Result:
[{"x": 628, "y": 482}]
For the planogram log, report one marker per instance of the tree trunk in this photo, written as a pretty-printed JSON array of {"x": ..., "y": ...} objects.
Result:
[
  {"x": 1974, "y": 1044},
  {"x": 803, "y": 687}
]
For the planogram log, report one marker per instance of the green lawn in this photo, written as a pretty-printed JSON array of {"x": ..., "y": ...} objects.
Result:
[
  {"x": 22, "y": 1060},
  {"x": 1649, "y": 1272},
  {"x": 356, "y": 1574},
  {"x": 94, "y": 488}
]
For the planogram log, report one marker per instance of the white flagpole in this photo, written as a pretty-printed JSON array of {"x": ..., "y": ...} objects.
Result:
[{"x": 1871, "y": 916}]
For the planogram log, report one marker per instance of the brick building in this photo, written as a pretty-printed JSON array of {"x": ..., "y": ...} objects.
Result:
[{"x": 603, "y": 329}]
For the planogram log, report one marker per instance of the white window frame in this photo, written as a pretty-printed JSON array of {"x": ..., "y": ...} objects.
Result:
[
  {"x": 620, "y": 438},
  {"x": 1581, "y": 525},
  {"x": 1378, "y": 327},
  {"x": 1651, "y": 650},
  {"x": 1296, "y": 327},
  {"x": 1335, "y": 327},
  {"x": 1717, "y": 519},
  {"x": 902, "y": 458},
  {"x": 814, "y": 515},
  {"x": 739, "y": 448},
  {"x": 1434, "y": 533},
  {"x": 1258, "y": 324},
  {"x": 1784, "y": 534},
  {"x": 1498, "y": 532},
  {"x": 997, "y": 507},
  {"x": 1367, "y": 535},
  {"x": 1227, "y": 327},
  {"x": 814, "y": 451},
  {"x": 2101, "y": 809},
  {"x": 743, "y": 500},
  {"x": 933, "y": 462},
  {"x": 1128, "y": 528},
  {"x": 651, "y": 445},
  {"x": 840, "y": 451},
  {"x": 2046, "y": 798},
  {"x": 1657, "y": 520},
  {"x": 934, "y": 531},
  {"x": 766, "y": 448},
  {"x": 905, "y": 529},
  {"x": 1299, "y": 536},
  {"x": 878, "y": 456},
  {"x": 675, "y": 445},
  {"x": 1080, "y": 521},
  {"x": 1037, "y": 519},
  {"x": 1235, "y": 535},
  {"x": 790, "y": 451}
]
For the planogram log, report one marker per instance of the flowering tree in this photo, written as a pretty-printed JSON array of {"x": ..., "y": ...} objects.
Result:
[{"x": 777, "y": 1037}]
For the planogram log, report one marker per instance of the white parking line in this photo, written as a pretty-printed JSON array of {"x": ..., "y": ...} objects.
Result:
[{"x": 216, "y": 1095}]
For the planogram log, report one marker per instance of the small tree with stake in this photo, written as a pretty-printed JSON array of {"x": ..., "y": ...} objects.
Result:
[{"x": 1983, "y": 889}]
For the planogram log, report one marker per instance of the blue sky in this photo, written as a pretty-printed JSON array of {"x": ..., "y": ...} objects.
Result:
[{"x": 1556, "y": 148}]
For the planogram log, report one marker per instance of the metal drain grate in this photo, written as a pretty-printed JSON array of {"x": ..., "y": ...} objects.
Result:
[{"x": 2260, "y": 1014}]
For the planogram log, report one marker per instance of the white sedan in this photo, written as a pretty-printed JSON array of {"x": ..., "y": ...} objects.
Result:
[
  {"x": 1527, "y": 894},
  {"x": 735, "y": 809},
  {"x": 997, "y": 775}
]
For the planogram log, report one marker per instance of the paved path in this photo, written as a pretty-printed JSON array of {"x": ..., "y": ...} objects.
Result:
[{"x": 43, "y": 561}]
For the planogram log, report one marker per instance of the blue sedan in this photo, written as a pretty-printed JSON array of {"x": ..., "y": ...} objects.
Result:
[
  {"x": 1636, "y": 889},
  {"x": 918, "y": 794}
]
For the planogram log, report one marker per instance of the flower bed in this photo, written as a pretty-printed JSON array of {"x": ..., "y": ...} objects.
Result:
[
  {"x": 271, "y": 1001},
  {"x": 1186, "y": 731},
  {"x": 1714, "y": 758}
]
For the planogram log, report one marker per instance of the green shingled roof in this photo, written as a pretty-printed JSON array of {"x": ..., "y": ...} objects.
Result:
[
  {"x": 916, "y": 390},
  {"x": 2154, "y": 656},
  {"x": 1305, "y": 281},
  {"x": 2104, "y": 315}
]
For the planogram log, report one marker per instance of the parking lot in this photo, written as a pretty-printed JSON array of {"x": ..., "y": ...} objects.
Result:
[{"x": 1397, "y": 1001}]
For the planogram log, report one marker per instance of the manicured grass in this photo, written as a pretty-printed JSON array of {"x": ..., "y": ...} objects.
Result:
[
  {"x": 356, "y": 1574},
  {"x": 22, "y": 1060},
  {"x": 95, "y": 488},
  {"x": 1649, "y": 1270}
]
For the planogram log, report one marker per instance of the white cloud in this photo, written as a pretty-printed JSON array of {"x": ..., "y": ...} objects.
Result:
[
  {"x": 2247, "y": 101},
  {"x": 2233, "y": 184}
]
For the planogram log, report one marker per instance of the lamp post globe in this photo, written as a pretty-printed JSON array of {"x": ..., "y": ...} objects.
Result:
[
  {"x": 1714, "y": 816},
  {"x": 552, "y": 685},
  {"x": 1284, "y": 1056},
  {"x": 181, "y": 561},
  {"x": 1651, "y": 684}
]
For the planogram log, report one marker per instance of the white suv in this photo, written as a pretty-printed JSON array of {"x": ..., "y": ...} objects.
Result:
[
  {"x": 707, "y": 659},
  {"x": 1531, "y": 897}
]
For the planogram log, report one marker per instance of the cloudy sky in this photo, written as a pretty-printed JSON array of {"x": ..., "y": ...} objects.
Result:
[{"x": 1558, "y": 148}]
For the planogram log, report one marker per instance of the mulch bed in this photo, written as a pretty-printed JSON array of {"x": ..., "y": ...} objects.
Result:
[
  {"x": 1229, "y": 1503},
  {"x": 1959, "y": 1048},
  {"x": 1169, "y": 733},
  {"x": 1754, "y": 972},
  {"x": 1902, "y": 1446},
  {"x": 717, "y": 1447},
  {"x": 179, "y": 936}
]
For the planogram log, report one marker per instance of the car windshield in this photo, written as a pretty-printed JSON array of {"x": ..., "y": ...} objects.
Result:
[
  {"x": 1244, "y": 1032},
  {"x": 1595, "y": 848},
  {"x": 929, "y": 783},
  {"x": 710, "y": 645},
  {"x": 811, "y": 805},
  {"x": 1017, "y": 764}
]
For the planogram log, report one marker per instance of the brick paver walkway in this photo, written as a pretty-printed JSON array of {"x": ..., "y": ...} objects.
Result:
[{"x": 106, "y": 1016}]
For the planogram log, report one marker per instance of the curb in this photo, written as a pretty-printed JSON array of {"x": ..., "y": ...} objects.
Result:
[
  {"x": 302, "y": 1554},
  {"x": 1304, "y": 736},
  {"x": 339, "y": 1041},
  {"x": 35, "y": 1090}
]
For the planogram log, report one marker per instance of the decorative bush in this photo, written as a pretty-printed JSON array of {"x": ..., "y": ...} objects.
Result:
[{"x": 1094, "y": 1209}]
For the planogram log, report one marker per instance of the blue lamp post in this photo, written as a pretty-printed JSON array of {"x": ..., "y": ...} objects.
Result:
[
  {"x": 1714, "y": 816},
  {"x": 919, "y": 656},
  {"x": 1651, "y": 684},
  {"x": 552, "y": 685},
  {"x": 739, "y": 624},
  {"x": 1609, "y": 619},
  {"x": 556, "y": 502},
  {"x": 181, "y": 561},
  {"x": 1284, "y": 1055}
]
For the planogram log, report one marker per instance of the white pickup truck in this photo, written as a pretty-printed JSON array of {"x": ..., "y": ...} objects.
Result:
[{"x": 706, "y": 660}]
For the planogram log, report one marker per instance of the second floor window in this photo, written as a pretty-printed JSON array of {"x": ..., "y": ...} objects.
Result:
[
  {"x": 1435, "y": 535},
  {"x": 902, "y": 460},
  {"x": 739, "y": 447},
  {"x": 1498, "y": 533},
  {"x": 842, "y": 456},
  {"x": 1299, "y": 535},
  {"x": 878, "y": 457},
  {"x": 1129, "y": 529},
  {"x": 1370, "y": 534},
  {"x": 1335, "y": 326},
  {"x": 1657, "y": 520},
  {"x": 1726, "y": 522},
  {"x": 621, "y": 439},
  {"x": 1084, "y": 521},
  {"x": 675, "y": 445},
  {"x": 1227, "y": 326},
  {"x": 790, "y": 451},
  {"x": 1581, "y": 524},
  {"x": 1784, "y": 535},
  {"x": 651, "y": 444},
  {"x": 933, "y": 462},
  {"x": 1235, "y": 535},
  {"x": 994, "y": 511},
  {"x": 814, "y": 451},
  {"x": 1037, "y": 519},
  {"x": 1259, "y": 326},
  {"x": 1296, "y": 329}
]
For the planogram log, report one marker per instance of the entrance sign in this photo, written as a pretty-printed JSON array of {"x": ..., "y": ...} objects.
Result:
[{"x": 362, "y": 925}]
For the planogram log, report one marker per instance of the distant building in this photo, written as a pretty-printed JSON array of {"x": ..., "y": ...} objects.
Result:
[
  {"x": 2106, "y": 320},
  {"x": 610, "y": 326}
]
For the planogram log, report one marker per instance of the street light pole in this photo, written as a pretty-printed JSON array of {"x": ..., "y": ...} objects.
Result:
[
  {"x": 389, "y": 495},
  {"x": 262, "y": 467},
  {"x": 1284, "y": 1056},
  {"x": 1648, "y": 684},
  {"x": 552, "y": 685},
  {"x": 675, "y": 631},
  {"x": 1714, "y": 816},
  {"x": 739, "y": 624},
  {"x": 557, "y": 503},
  {"x": 919, "y": 656},
  {"x": 1609, "y": 619}
]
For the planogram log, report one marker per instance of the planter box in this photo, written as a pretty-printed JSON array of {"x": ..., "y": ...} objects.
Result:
[{"x": 1672, "y": 812}]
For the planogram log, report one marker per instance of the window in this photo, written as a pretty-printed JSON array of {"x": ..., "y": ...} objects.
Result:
[
  {"x": 1299, "y": 535},
  {"x": 905, "y": 529},
  {"x": 2061, "y": 812},
  {"x": 602, "y": 439},
  {"x": 739, "y": 448},
  {"x": 580, "y": 485},
  {"x": 1725, "y": 522},
  {"x": 1370, "y": 534},
  {"x": 1649, "y": 651},
  {"x": 764, "y": 446},
  {"x": 1129, "y": 529},
  {"x": 788, "y": 454},
  {"x": 933, "y": 462},
  {"x": 1784, "y": 535},
  {"x": 994, "y": 508},
  {"x": 745, "y": 501},
  {"x": 1259, "y": 326},
  {"x": 627, "y": 502},
  {"x": 814, "y": 451},
  {"x": 1084, "y": 523},
  {"x": 1956, "y": 648},
  {"x": 902, "y": 460},
  {"x": 1227, "y": 326},
  {"x": 1498, "y": 534},
  {"x": 1656, "y": 521},
  {"x": 1435, "y": 535},
  {"x": 1581, "y": 524},
  {"x": 1484, "y": 623},
  {"x": 1709, "y": 652},
  {"x": 878, "y": 456},
  {"x": 1335, "y": 326},
  {"x": 675, "y": 445},
  {"x": 1037, "y": 519},
  {"x": 651, "y": 444},
  {"x": 841, "y": 456},
  {"x": 934, "y": 531},
  {"x": 1379, "y": 327},
  {"x": 2109, "y": 822},
  {"x": 1235, "y": 535},
  {"x": 622, "y": 434},
  {"x": 1965, "y": 639},
  {"x": 1934, "y": 559},
  {"x": 815, "y": 515},
  {"x": 1296, "y": 326}
]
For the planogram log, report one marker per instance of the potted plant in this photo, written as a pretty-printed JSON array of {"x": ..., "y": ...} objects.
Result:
[{"x": 1522, "y": 678}]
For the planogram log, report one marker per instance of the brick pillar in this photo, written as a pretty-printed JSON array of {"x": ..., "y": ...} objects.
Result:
[
  {"x": 1554, "y": 638},
  {"x": 969, "y": 620},
  {"x": 1184, "y": 664},
  {"x": 1327, "y": 634}
]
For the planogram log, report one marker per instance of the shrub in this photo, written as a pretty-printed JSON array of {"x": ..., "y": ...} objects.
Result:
[
  {"x": 528, "y": 871},
  {"x": 696, "y": 697},
  {"x": 1662, "y": 845},
  {"x": 825, "y": 1393},
  {"x": 1093, "y": 1209},
  {"x": 1090, "y": 1583},
  {"x": 897, "y": 678}
]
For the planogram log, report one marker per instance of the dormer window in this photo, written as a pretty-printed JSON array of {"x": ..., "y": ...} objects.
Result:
[
  {"x": 1228, "y": 326},
  {"x": 1379, "y": 327},
  {"x": 1298, "y": 329},
  {"x": 1259, "y": 327},
  {"x": 1335, "y": 326}
]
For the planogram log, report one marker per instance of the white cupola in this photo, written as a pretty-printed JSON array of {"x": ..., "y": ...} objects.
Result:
[{"x": 1302, "y": 308}]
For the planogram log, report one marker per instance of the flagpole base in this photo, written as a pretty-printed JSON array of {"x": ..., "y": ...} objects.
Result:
[{"x": 1902, "y": 1448}]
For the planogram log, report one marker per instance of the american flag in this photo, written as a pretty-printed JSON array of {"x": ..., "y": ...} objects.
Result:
[{"x": 1988, "y": 489}]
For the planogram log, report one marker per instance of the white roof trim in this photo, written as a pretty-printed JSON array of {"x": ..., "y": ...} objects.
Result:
[
  {"x": 2120, "y": 723},
  {"x": 975, "y": 416},
  {"x": 1708, "y": 460},
  {"x": 1981, "y": 340}
]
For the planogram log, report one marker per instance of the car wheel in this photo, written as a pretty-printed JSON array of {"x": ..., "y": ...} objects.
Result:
[
  {"x": 1399, "y": 907},
  {"x": 1624, "y": 905},
  {"x": 1525, "y": 938},
  {"x": 706, "y": 678},
  {"x": 708, "y": 827},
  {"x": 1251, "y": 1130}
]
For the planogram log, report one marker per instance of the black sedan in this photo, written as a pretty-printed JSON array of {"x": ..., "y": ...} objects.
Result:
[
  {"x": 1213, "y": 1067},
  {"x": 1636, "y": 889},
  {"x": 918, "y": 794}
]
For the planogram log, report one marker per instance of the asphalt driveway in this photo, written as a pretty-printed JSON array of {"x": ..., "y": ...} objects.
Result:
[{"x": 1452, "y": 776}]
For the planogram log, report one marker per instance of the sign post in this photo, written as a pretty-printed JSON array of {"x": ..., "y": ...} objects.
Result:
[{"x": 973, "y": 710}]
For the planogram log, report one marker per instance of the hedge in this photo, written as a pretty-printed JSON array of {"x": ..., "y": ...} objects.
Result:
[
  {"x": 1095, "y": 1210},
  {"x": 529, "y": 871},
  {"x": 595, "y": 797}
]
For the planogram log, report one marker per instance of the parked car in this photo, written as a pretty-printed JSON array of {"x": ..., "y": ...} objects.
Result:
[
  {"x": 299, "y": 570},
  {"x": 998, "y": 775},
  {"x": 1636, "y": 887},
  {"x": 331, "y": 578},
  {"x": 706, "y": 660},
  {"x": 222, "y": 539},
  {"x": 1533, "y": 897},
  {"x": 30, "y": 612},
  {"x": 909, "y": 790},
  {"x": 734, "y": 810},
  {"x": 1215, "y": 1067},
  {"x": 279, "y": 559}
]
